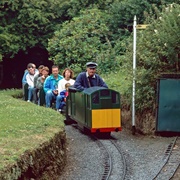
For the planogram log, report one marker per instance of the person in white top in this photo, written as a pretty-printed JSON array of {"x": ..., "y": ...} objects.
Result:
[
  {"x": 68, "y": 75},
  {"x": 30, "y": 82}
]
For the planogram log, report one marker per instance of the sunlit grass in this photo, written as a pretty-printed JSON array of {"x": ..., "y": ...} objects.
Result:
[
  {"x": 118, "y": 80},
  {"x": 23, "y": 126}
]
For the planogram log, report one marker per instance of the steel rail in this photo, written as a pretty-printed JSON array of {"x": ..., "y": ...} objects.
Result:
[
  {"x": 107, "y": 159},
  {"x": 123, "y": 158},
  {"x": 166, "y": 158},
  {"x": 175, "y": 171}
]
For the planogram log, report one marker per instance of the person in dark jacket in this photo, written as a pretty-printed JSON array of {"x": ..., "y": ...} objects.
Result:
[{"x": 89, "y": 78}]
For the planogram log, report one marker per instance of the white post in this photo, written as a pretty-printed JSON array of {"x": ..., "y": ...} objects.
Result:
[{"x": 134, "y": 75}]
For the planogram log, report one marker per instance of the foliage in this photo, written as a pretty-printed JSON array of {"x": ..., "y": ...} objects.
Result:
[
  {"x": 158, "y": 50},
  {"x": 28, "y": 23},
  {"x": 80, "y": 40},
  {"x": 23, "y": 124},
  {"x": 78, "y": 5},
  {"x": 121, "y": 15}
]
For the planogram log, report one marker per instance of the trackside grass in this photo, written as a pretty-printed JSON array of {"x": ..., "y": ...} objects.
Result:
[
  {"x": 23, "y": 126},
  {"x": 120, "y": 81}
]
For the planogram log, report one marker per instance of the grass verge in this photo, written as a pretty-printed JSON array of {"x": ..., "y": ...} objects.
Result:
[
  {"x": 120, "y": 81},
  {"x": 23, "y": 126}
]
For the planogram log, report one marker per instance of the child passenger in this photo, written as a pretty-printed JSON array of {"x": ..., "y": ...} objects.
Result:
[{"x": 61, "y": 98}]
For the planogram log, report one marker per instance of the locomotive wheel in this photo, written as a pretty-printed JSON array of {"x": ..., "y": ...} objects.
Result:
[
  {"x": 106, "y": 134},
  {"x": 67, "y": 122},
  {"x": 103, "y": 135}
]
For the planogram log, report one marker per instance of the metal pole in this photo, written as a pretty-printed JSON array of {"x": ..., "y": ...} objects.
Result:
[{"x": 134, "y": 76}]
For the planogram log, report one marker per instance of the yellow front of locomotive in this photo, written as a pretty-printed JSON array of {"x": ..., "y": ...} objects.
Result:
[{"x": 103, "y": 111}]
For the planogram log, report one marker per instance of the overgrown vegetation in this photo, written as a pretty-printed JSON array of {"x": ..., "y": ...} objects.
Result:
[
  {"x": 23, "y": 126},
  {"x": 158, "y": 50}
]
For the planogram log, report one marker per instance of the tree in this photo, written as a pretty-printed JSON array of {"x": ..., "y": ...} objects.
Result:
[
  {"x": 80, "y": 40},
  {"x": 76, "y": 6},
  {"x": 122, "y": 14},
  {"x": 28, "y": 23}
]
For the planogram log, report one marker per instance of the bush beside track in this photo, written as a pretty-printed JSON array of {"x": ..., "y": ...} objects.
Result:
[{"x": 32, "y": 139}]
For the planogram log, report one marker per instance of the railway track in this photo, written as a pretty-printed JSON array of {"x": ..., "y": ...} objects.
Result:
[
  {"x": 115, "y": 165},
  {"x": 171, "y": 161}
]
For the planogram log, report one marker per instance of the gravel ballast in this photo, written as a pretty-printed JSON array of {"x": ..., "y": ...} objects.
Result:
[{"x": 143, "y": 154}]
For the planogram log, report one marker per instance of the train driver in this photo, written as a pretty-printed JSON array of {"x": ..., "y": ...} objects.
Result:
[{"x": 89, "y": 78}]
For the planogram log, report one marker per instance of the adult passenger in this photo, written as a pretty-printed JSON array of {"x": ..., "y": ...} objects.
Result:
[
  {"x": 30, "y": 81},
  {"x": 89, "y": 78},
  {"x": 30, "y": 65},
  {"x": 41, "y": 79},
  {"x": 24, "y": 81},
  {"x": 40, "y": 68},
  {"x": 40, "y": 83},
  {"x": 68, "y": 75},
  {"x": 51, "y": 85},
  {"x": 35, "y": 91}
]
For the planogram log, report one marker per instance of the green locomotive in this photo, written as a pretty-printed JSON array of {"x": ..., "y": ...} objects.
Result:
[{"x": 97, "y": 109}]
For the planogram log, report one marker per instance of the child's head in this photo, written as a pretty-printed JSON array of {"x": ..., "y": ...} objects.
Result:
[{"x": 67, "y": 86}]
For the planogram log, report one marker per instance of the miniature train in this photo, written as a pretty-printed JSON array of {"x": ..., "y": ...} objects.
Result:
[{"x": 96, "y": 109}]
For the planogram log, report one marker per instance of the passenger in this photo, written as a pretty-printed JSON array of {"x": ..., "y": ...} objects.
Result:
[
  {"x": 30, "y": 81},
  {"x": 30, "y": 65},
  {"x": 51, "y": 85},
  {"x": 35, "y": 90},
  {"x": 24, "y": 81},
  {"x": 89, "y": 78},
  {"x": 61, "y": 99},
  {"x": 40, "y": 81},
  {"x": 40, "y": 68},
  {"x": 68, "y": 75}
]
